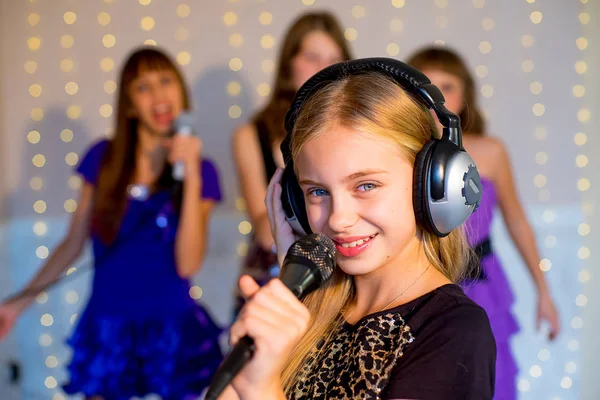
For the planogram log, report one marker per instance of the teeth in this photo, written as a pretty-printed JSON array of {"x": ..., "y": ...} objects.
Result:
[{"x": 357, "y": 242}]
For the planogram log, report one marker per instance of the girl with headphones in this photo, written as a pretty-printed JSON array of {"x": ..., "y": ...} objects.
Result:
[{"x": 367, "y": 167}]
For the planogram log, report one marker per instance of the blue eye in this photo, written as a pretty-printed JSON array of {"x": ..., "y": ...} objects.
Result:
[
  {"x": 142, "y": 88},
  {"x": 166, "y": 80},
  {"x": 317, "y": 192},
  {"x": 365, "y": 187}
]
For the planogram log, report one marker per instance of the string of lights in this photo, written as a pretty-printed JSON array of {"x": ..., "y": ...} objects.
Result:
[{"x": 49, "y": 48}]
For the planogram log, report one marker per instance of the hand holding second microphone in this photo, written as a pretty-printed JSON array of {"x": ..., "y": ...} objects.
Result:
[
  {"x": 185, "y": 149},
  {"x": 185, "y": 153}
]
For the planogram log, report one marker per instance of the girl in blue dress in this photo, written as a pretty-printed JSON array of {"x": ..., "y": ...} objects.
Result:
[{"x": 140, "y": 332}]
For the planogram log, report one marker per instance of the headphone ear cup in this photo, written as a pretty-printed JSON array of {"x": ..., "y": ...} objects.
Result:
[
  {"x": 292, "y": 201},
  {"x": 420, "y": 196}
]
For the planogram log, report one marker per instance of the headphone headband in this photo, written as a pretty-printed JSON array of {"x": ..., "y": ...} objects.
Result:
[
  {"x": 410, "y": 79},
  {"x": 447, "y": 187}
]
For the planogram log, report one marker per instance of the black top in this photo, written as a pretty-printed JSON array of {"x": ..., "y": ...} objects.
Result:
[
  {"x": 438, "y": 346},
  {"x": 266, "y": 150}
]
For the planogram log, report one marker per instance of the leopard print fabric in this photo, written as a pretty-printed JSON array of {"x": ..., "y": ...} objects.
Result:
[{"x": 357, "y": 363}]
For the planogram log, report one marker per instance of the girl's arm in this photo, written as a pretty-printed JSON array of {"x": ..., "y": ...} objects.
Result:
[
  {"x": 191, "y": 240},
  {"x": 65, "y": 254},
  {"x": 522, "y": 235},
  {"x": 252, "y": 179},
  {"x": 192, "y": 231},
  {"x": 514, "y": 216}
]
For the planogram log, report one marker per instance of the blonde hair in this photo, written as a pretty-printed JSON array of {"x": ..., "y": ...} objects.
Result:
[{"x": 372, "y": 103}]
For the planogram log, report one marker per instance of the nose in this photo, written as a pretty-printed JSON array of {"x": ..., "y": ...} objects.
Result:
[
  {"x": 341, "y": 214},
  {"x": 158, "y": 92}
]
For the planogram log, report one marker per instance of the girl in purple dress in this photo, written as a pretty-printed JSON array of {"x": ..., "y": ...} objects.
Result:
[
  {"x": 140, "y": 332},
  {"x": 487, "y": 285}
]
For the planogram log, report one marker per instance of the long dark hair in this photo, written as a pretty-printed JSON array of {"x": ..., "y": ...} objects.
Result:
[
  {"x": 119, "y": 161},
  {"x": 446, "y": 60},
  {"x": 273, "y": 115}
]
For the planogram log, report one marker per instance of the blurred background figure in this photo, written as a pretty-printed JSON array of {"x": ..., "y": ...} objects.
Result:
[
  {"x": 140, "y": 332},
  {"x": 488, "y": 285},
  {"x": 313, "y": 42}
]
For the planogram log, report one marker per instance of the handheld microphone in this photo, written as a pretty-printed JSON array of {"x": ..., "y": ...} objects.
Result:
[
  {"x": 184, "y": 126},
  {"x": 309, "y": 263}
]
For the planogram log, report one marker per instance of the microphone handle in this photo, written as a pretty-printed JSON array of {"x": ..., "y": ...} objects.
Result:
[
  {"x": 238, "y": 357},
  {"x": 179, "y": 167},
  {"x": 297, "y": 277}
]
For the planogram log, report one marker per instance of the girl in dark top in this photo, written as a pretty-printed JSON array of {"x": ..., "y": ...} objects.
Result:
[
  {"x": 391, "y": 323},
  {"x": 314, "y": 41},
  {"x": 140, "y": 331}
]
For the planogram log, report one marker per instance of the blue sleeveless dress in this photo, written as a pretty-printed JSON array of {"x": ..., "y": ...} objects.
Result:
[{"x": 141, "y": 332}]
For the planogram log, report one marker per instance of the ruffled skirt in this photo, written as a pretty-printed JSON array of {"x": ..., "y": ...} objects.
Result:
[{"x": 117, "y": 358}]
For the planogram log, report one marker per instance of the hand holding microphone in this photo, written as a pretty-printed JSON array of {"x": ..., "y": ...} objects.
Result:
[
  {"x": 185, "y": 148},
  {"x": 273, "y": 320}
]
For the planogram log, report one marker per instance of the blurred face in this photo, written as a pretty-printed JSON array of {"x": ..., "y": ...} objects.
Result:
[
  {"x": 317, "y": 51},
  {"x": 358, "y": 191},
  {"x": 451, "y": 86},
  {"x": 157, "y": 99}
]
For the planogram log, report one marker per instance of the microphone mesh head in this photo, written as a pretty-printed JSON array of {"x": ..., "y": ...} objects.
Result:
[{"x": 318, "y": 249}]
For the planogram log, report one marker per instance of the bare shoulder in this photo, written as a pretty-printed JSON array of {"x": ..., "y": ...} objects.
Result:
[
  {"x": 245, "y": 143},
  {"x": 244, "y": 134},
  {"x": 488, "y": 152},
  {"x": 485, "y": 143},
  {"x": 496, "y": 150},
  {"x": 493, "y": 145}
]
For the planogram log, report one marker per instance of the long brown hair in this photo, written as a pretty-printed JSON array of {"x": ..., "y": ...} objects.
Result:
[
  {"x": 471, "y": 119},
  {"x": 119, "y": 161},
  {"x": 375, "y": 104},
  {"x": 273, "y": 115}
]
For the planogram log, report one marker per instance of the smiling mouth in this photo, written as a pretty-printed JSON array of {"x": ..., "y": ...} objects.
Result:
[
  {"x": 355, "y": 243},
  {"x": 162, "y": 113}
]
